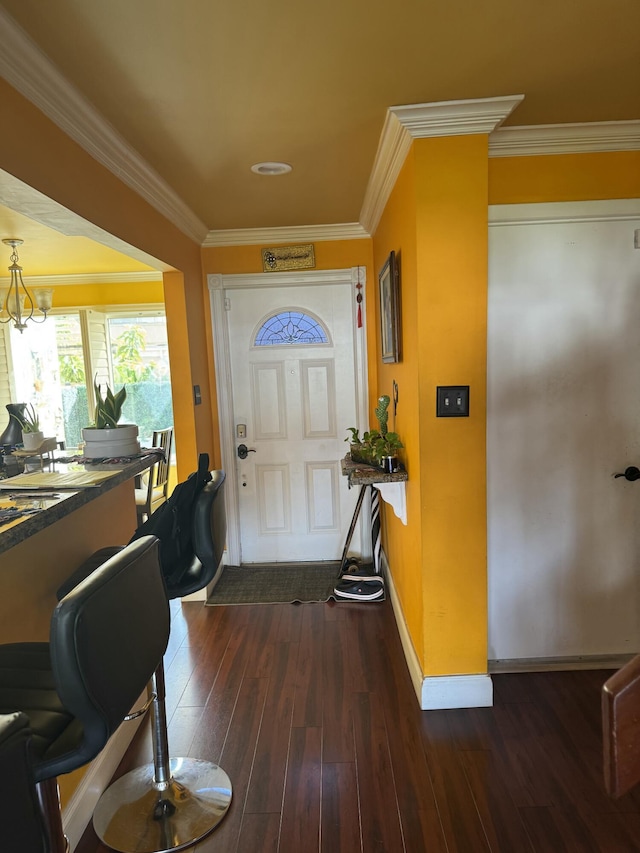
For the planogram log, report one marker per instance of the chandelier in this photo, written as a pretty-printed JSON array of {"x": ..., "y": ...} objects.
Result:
[{"x": 18, "y": 303}]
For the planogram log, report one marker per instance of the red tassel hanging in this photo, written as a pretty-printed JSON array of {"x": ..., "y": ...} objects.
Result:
[{"x": 359, "y": 300}]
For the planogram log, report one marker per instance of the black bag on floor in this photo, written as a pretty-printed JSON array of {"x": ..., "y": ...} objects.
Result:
[
  {"x": 359, "y": 590},
  {"x": 359, "y": 583},
  {"x": 171, "y": 523}
]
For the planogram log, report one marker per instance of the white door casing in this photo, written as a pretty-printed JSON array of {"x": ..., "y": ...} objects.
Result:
[{"x": 288, "y": 501}]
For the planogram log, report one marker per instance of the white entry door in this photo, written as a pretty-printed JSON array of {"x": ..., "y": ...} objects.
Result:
[{"x": 294, "y": 391}]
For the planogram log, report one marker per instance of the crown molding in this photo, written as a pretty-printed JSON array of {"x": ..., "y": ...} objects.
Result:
[
  {"x": 25, "y": 67},
  {"x": 418, "y": 121},
  {"x": 530, "y": 140},
  {"x": 456, "y": 118},
  {"x": 394, "y": 145},
  {"x": 565, "y": 212},
  {"x": 91, "y": 278},
  {"x": 296, "y": 233}
]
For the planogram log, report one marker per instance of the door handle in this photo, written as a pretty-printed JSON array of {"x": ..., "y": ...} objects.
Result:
[
  {"x": 244, "y": 451},
  {"x": 631, "y": 473}
]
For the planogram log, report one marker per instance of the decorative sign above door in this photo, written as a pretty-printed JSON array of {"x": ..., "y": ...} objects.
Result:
[{"x": 288, "y": 258}]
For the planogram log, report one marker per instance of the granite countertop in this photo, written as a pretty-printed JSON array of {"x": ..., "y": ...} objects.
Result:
[
  {"x": 366, "y": 475},
  {"x": 50, "y": 510}
]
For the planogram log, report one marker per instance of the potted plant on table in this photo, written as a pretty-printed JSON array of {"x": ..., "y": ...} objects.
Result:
[
  {"x": 360, "y": 448},
  {"x": 385, "y": 444},
  {"x": 385, "y": 449},
  {"x": 29, "y": 420},
  {"x": 107, "y": 438},
  {"x": 379, "y": 446}
]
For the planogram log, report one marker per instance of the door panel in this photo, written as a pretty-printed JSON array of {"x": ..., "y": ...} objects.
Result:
[
  {"x": 274, "y": 499},
  {"x": 268, "y": 400},
  {"x": 319, "y": 396},
  {"x": 322, "y": 489}
]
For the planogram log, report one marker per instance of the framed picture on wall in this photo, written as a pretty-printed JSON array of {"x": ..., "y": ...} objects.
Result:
[{"x": 389, "y": 310}]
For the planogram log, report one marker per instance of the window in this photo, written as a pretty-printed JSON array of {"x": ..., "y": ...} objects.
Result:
[
  {"x": 54, "y": 365},
  {"x": 290, "y": 328},
  {"x": 140, "y": 360},
  {"x": 49, "y": 371}
]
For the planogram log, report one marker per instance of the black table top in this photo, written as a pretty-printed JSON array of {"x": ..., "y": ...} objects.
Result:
[{"x": 41, "y": 512}]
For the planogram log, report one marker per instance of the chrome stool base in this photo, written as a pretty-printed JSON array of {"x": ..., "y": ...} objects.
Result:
[{"x": 136, "y": 814}]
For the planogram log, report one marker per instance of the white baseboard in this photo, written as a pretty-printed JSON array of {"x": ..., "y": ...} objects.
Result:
[
  {"x": 200, "y": 595},
  {"x": 413, "y": 662},
  {"x": 78, "y": 812},
  {"x": 443, "y": 691},
  {"x": 456, "y": 691}
]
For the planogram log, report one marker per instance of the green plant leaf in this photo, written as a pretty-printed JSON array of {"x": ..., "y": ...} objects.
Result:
[
  {"x": 381, "y": 413},
  {"x": 109, "y": 407},
  {"x": 354, "y": 438},
  {"x": 29, "y": 421}
]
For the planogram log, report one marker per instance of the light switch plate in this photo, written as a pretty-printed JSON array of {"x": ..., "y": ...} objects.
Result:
[{"x": 452, "y": 401}]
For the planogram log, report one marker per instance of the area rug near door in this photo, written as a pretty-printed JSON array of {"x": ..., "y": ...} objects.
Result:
[{"x": 275, "y": 583}]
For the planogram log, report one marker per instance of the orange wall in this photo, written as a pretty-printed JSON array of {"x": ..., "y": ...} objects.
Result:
[
  {"x": 451, "y": 181},
  {"x": 403, "y": 545},
  {"x": 329, "y": 254},
  {"x": 564, "y": 177},
  {"x": 182, "y": 380},
  {"x": 122, "y": 293},
  {"x": 436, "y": 219}
]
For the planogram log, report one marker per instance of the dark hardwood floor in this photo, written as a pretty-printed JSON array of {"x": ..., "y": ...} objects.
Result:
[{"x": 310, "y": 710}]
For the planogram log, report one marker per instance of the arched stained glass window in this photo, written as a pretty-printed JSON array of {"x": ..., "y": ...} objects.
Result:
[{"x": 290, "y": 327}]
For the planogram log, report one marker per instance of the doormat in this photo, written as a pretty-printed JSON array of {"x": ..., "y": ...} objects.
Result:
[{"x": 275, "y": 583}]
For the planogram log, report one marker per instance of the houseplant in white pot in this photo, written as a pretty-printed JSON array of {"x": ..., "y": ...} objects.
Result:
[
  {"x": 107, "y": 438},
  {"x": 32, "y": 435}
]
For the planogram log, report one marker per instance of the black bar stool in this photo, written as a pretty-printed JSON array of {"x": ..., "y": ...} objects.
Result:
[
  {"x": 76, "y": 689},
  {"x": 21, "y": 818},
  {"x": 171, "y": 803}
]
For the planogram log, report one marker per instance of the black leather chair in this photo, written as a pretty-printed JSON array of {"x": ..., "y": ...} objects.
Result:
[
  {"x": 172, "y": 803},
  {"x": 209, "y": 536},
  {"x": 106, "y": 639},
  {"x": 21, "y": 818}
]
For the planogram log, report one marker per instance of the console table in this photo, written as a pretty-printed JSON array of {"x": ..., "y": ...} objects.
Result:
[{"x": 392, "y": 489}]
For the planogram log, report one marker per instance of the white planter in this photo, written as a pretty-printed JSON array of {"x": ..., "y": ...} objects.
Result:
[
  {"x": 116, "y": 441},
  {"x": 32, "y": 440}
]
